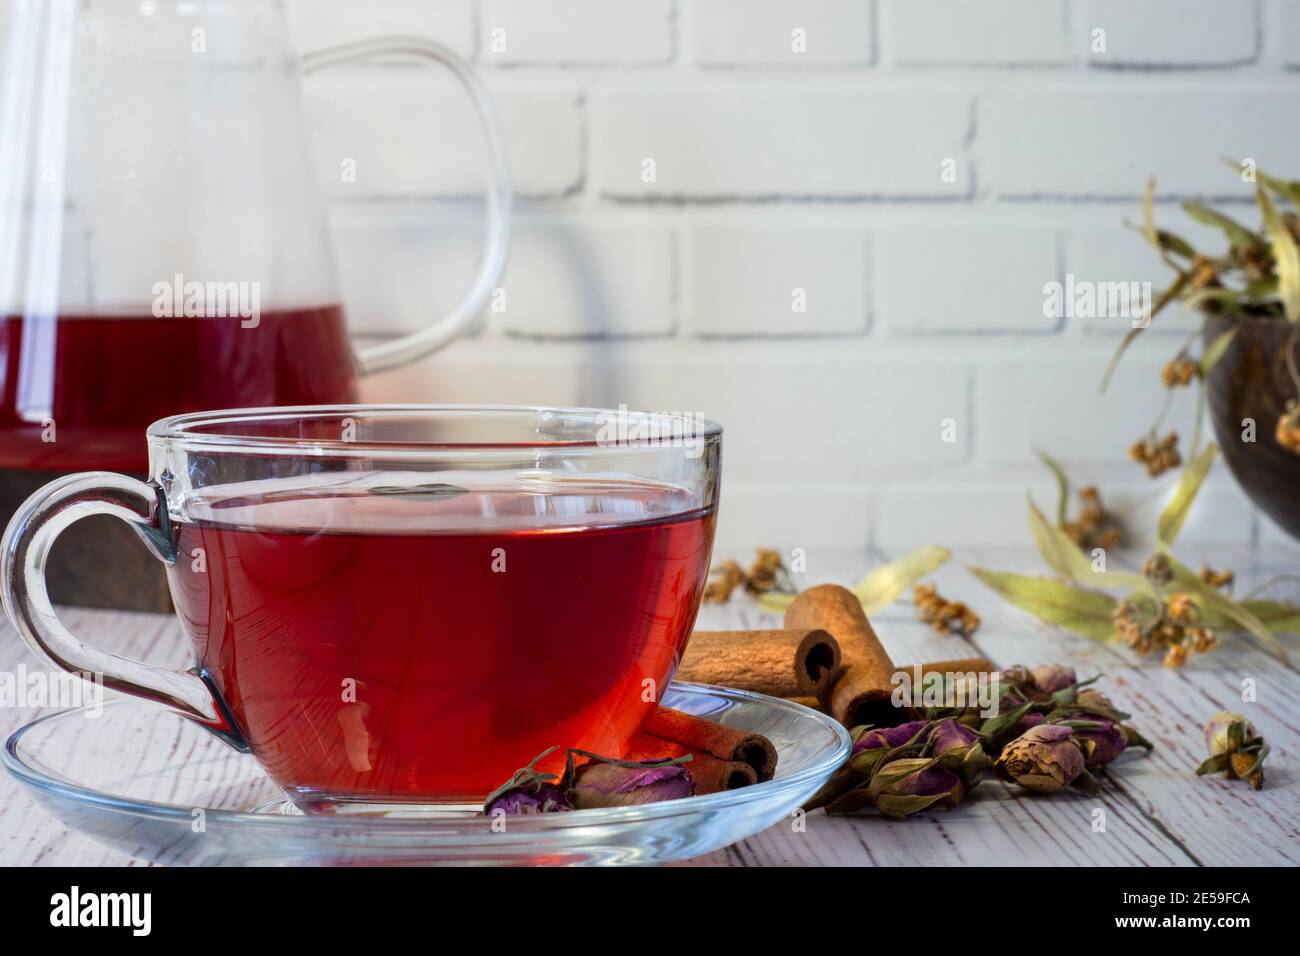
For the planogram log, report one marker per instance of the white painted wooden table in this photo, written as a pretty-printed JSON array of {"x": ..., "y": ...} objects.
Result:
[{"x": 1156, "y": 811}]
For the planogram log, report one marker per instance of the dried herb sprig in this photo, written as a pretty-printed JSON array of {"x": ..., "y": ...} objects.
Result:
[
  {"x": 768, "y": 574},
  {"x": 944, "y": 616},
  {"x": 882, "y": 586},
  {"x": 1168, "y": 608},
  {"x": 1256, "y": 277}
]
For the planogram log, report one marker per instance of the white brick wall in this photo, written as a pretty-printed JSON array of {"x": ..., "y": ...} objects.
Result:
[
  {"x": 840, "y": 240},
  {"x": 795, "y": 33},
  {"x": 958, "y": 32},
  {"x": 1188, "y": 33},
  {"x": 571, "y": 32},
  {"x": 746, "y": 140}
]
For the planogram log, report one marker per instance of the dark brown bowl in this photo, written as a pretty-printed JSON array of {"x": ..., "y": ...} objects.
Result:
[{"x": 1251, "y": 381}]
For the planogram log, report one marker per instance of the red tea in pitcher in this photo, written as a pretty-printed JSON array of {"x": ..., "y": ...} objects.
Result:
[
  {"x": 388, "y": 646},
  {"x": 77, "y": 391}
]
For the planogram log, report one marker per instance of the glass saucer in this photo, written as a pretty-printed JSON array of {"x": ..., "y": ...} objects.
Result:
[{"x": 151, "y": 783}]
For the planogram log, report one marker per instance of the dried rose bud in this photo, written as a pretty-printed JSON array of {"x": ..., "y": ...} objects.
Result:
[
  {"x": 885, "y": 738},
  {"x": 1102, "y": 740},
  {"x": 1219, "y": 734},
  {"x": 1053, "y": 677},
  {"x": 1030, "y": 720},
  {"x": 529, "y": 791},
  {"x": 1094, "y": 700},
  {"x": 959, "y": 749},
  {"x": 901, "y": 788},
  {"x": 603, "y": 783},
  {"x": 1017, "y": 676},
  {"x": 950, "y": 735},
  {"x": 872, "y": 743},
  {"x": 546, "y": 799},
  {"x": 1046, "y": 759},
  {"x": 1236, "y": 749}
]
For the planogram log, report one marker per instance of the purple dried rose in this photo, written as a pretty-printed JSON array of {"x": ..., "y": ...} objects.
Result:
[
  {"x": 886, "y": 738},
  {"x": 1053, "y": 677},
  {"x": 547, "y": 799},
  {"x": 903, "y": 787},
  {"x": 529, "y": 791},
  {"x": 619, "y": 784},
  {"x": 950, "y": 735},
  {"x": 1031, "y": 719},
  {"x": 1091, "y": 699},
  {"x": 1045, "y": 759},
  {"x": 870, "y": 744},
  {"x": 960, "y": 750},
  {"x": 1102, "y": 740}
]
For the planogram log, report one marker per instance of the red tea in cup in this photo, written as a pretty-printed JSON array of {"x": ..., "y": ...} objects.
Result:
[{"x": 389, "y": 648}]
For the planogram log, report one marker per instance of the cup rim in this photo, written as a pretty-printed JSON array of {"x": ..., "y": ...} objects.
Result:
[{"x": 184, "y": 430}]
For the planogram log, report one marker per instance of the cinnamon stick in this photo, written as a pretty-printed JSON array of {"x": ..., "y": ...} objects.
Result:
[
  {"x": 710, "y": 774},
  {"x": 710, "y": 737},
  {"x": 862, "y": 692},
  {"x": 792, "y": 662}
]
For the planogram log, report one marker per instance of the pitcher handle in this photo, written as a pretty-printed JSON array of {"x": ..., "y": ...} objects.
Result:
[
  {"x": 421, "y": 343},
  {"x": 23, "y": 553}
]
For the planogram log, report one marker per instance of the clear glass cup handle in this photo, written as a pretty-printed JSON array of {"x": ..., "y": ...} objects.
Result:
[
  {"x": 23, "y": 553},
  {"x": 413, "y": 346}
]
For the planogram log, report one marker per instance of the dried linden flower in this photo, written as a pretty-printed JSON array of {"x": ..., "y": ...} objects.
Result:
[
  {"x": 1156, "y": 569},
  {"x": 946, "y": 617},
  {"x": 1178, "y": 372},
  {"x": 1158, "y": 455},
  {"x": 1288, "y": 427},
  {"x": 1094, "y": 527},
  {"x": 1217, "y": 579},
  {"x": 723, "y": 580}
]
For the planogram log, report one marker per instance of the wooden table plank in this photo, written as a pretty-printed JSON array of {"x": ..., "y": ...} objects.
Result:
[{"x": 1156, "y": 811}]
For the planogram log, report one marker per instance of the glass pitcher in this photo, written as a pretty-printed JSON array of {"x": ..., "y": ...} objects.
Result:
[{"x": 163, "y": 241}]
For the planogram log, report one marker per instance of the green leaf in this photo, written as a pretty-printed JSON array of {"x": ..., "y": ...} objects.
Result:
[
  {"x": 883, "y": 586},
  {"x": 1062, "y": 484},
  {"x": 997, "y": 725},
  {"x": 1238, "y": 235},
  {"x": 1063, "y": 556},
  {"x": 1173, "y": 243},
  {"x": 1076, "y": 609},
  {"x": 1279, "y": 617},
  {"x": 1054, "y": 545},
  {"x": 1210, "y": 599},
  {"x": 1216, "y": 764},
  {"x": 774, "y": 601},
  {"x": 1287, "y": 189},
  {"x": 1165, "y": 298},
  {"x": 1215, "y": 351},
  {"x": 1175, "y": 514},
  {"x": 1287, "y": 255}
]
